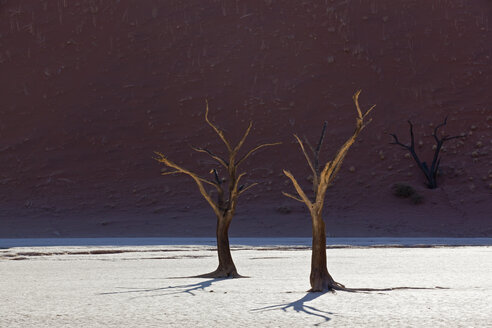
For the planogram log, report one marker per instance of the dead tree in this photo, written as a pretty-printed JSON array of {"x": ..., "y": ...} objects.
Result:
[
  {"x": 320, "y": 279},
  {"x": 430, "y": 173},
  {"x": 228, "y": 191}
]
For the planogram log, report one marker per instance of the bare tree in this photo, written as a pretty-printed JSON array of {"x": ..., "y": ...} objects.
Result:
[
  {"x": 320, "y": 279},
  {"x": 430, "y": 173},
  {"x": 228, "y": 191}
]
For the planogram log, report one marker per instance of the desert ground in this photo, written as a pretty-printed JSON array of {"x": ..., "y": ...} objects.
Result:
[{"x": 146, "y": 286}]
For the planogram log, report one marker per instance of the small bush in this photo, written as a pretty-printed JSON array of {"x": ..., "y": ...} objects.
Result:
[{"x": 402, "y": 190}]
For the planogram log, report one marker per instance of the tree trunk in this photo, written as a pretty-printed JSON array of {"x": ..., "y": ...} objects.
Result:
[
  {"x": 226, "y": 268},
  {"x": 320, "y": 279}
]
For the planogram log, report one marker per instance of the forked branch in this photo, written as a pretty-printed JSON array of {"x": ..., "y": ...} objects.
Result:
[
  {"x": 332, "y": 168},
  {"x": 228, "y": 189},
  {"x": 322, "y": 180}
]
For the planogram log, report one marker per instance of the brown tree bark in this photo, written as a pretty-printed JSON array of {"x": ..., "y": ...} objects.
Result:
[
  {"x": 226, "y": 268},
  {"x": 320, "y": 279}
]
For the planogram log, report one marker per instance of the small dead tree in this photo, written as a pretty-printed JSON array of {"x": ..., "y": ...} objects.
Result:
[
  {"x": 320, "y": 279},
  {"x": 228, "y": 191},
  {"x": 430, "y": 173}
]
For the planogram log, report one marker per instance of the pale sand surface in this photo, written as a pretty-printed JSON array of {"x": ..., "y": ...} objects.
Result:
[{"x": 102, "y": 286}]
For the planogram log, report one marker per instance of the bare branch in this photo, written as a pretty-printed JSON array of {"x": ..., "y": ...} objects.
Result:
[
  {"x": 248, "y": 187},
  {"x": 252, "y": 151},
  {"x": 299, "y": 190},
  {"x": 368, "y": 112},
  {"x": 452, "y": 137},
  {"x": 241, "y": 142},
  {"x": 316, "y": 158},
  {"x": 412, "y": 138},
  {"x": 239, "y": 177},
  {"x": 233, "y": 190},
  {"x": 361, "y": 116},
  {"x": 310, "y": 163},
  {"x": 434, "y": 134},
  {"x": 198, "y": 180},
  {"x": 331, "y": 168},
  {"x": 355, "y": 97},
  {"x": 208, "y": 182},
  {"x": 208, "y": 152},
  {"x": 306, "y": 141},
  {"x": 169, "y": 173},
  {"x": 292, "y": 196},
  {"x": 216, "y": 176},
  {"x": 217, "y": 130},
  {"x": 321, "y": 138},
  {"x": 397, "y": 142},
  {"x": 445, "y": 138}
]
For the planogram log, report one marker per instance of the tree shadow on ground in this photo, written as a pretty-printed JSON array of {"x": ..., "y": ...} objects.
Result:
[
  {"x": 300, "y": 307},
  {"x": 369, "y": 290},
  {"x": 169, "y": 290}
]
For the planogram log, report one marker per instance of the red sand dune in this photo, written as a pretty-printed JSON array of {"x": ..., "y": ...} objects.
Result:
[{"x": 89, "y": 89}]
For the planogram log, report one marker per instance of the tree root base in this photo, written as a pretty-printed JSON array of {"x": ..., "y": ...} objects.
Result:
[
  {"x": 334, "y": 286},
  {"x": 328, "y": 286},
  {"x": 220, "y": 274}
]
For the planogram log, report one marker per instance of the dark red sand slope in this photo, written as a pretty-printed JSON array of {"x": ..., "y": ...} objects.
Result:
[{"x": 89, "y": 89}]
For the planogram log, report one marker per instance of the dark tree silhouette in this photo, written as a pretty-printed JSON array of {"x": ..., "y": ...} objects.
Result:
[
  {"x": 430, "y": 173},
  {"x": 320, "y": 279},
  {"x": 228, "y": 192}
]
